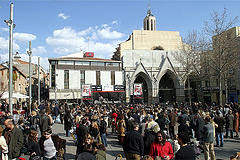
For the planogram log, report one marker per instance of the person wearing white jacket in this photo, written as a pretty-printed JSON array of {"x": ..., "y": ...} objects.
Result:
[{"x": 3, "y": 146}]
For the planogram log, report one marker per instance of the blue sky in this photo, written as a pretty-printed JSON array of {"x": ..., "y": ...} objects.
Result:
[{"x": 60, "y": 27}]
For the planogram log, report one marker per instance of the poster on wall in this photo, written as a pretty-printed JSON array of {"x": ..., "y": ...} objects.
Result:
[
  {"x": 137, "y": 89},
  {"x": 86, "y": 90}
]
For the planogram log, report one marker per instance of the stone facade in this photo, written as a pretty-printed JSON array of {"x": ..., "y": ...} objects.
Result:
[{"x": 152, "y": 66}]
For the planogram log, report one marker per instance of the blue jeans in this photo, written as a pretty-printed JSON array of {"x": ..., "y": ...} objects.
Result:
[
  {"x": 219, "y": 136},
  {"x": 53, "y": 158},
  {"x": 104, "y": 139}
]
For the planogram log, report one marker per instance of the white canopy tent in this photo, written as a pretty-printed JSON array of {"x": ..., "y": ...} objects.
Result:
[{"x": 5, "y": 95}]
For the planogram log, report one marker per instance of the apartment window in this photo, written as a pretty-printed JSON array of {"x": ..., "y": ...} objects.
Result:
[
  {"x": 112, "y": 78},
  {"x": 207, "y": 84},
  {"x": 97, "y": 64},
  {"x": 66, "y": 62},
  {"x": 66, "y": 79},
  {"x": 82, "y": 63},
  {"x": 53, "y": 76},
  {"x": 82, "y": 77},
  {"x": 98, "y": 78}
]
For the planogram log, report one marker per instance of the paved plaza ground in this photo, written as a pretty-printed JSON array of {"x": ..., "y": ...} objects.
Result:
[{"x": 231, "y": 146}]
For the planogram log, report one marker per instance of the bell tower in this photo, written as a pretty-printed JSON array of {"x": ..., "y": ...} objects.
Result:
[{"x": 149, "y": 22}]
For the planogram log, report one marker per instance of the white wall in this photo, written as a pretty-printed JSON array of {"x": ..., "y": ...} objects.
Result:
[
  {"x": 105, "y": 78},
  {"x": 60, "y": 79},
  {"x": 118, "y": 78},
  {"x": 74, "y": 79},
  {"x": 90, "y": 77}
]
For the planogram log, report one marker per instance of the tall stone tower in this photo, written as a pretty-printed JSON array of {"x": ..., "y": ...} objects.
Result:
[{"x": 149, "y": 22}]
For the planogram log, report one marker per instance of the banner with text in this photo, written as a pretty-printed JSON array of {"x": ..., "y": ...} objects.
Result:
[
  {"x": 86, "y": 90},
  {"x": 137, "y": 89}
]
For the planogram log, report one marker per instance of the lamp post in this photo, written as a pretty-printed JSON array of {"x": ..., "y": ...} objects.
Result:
[
  {"x": 129, "y": 87},
  {"x": 29, "y": 52},
  {"x": 11, "y": 26},
  {"x": 39, "y": 84}
]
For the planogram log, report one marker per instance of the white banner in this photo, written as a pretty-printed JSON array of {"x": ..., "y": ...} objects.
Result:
[
  {"x": 86, "y": 90},
  {"x": 137, "y": 89}
]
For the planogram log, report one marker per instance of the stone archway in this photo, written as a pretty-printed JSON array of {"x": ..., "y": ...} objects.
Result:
[
  {"x": 167, "y": 87},
  {"x": 146, "y": 87}
]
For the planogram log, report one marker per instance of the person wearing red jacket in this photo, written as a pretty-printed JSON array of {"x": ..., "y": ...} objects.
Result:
[
  {"x": 161, "y": 148},
  {"x": 114, "y": 121}
]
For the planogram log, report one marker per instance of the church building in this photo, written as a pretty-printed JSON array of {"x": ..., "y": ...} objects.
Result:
[{"x": 148, "y": 59}]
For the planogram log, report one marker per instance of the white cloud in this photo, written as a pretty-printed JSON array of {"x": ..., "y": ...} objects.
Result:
[
  {"x": 63, "y": 16},
  {"x": 39, "y": 50},
  {"x": 4, "y": 29},
  {"x": 115, "y": 22},
  {"x": 4, "y": 43},
  {"x": 107, "y": 33},
  {"x": 24, "y": 37},
  {"x": 67, "y": 40}
]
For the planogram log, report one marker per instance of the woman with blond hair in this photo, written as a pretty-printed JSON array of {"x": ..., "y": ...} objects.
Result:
[
  {"x": 3, "y": 146},
  {"x": 121, "y": 129}
]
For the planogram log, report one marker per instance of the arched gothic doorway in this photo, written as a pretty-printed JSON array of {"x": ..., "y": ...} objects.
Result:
[
  {"x": 146, "y": 87},
  {"x": 167, "y": 90}
]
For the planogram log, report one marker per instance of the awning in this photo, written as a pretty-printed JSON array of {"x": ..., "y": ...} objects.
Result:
[{"x": 5, "y": 95}]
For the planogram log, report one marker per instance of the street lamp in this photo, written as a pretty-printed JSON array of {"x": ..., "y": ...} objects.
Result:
[
  {"x": 11, "y": 25},
  {"x": 29, "y": 52}
]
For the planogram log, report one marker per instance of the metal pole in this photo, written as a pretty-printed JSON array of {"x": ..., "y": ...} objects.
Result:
[
  {"x": 30, "y": 76},
  {"x": 10, "y": 23},
  {"x": 39, "y": 84}
]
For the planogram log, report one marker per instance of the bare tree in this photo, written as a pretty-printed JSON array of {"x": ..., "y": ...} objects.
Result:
[
  {"x": 190, "y": 55},
  {"x": 222, "y": 41}
]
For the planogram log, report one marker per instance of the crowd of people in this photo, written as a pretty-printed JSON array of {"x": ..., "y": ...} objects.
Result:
[{"x": 145, "y": 132}]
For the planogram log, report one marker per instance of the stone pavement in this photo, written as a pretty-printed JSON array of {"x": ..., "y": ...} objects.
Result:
[{"x": 231, "y": 146}]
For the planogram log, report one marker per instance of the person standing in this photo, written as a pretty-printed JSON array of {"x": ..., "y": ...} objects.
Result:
[
  {"x": 44, "y": 122},
  {"x": 3, "y": 146},
  {"x": 208, "y": 139},
  {"x": 229, "y": 124},
  {"x": 236, "y": 123},
  {"x": 33, "y": 146},
  {"x": 14, "y": 139},
  {"x": 103, "y": 131},
  {"x": 161, "y": 148},
  {"x": 220, "y": 121},
  {"x": 172, "y": 124},
  {"x": 47, "y": 145},
  {"x": 121, "y": 129},
  {"x": 133, "y": 145},
  {"x": 68, "y": 122},
  {"x": 186, "y": 152}
]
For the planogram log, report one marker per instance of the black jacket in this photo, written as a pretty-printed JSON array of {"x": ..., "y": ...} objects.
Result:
[
  {"x": 185, "y": 153},
  {"x": 220, "y": 121},
  {"x": 133, "y": 143},
  {"x": 34, "y": 147}
]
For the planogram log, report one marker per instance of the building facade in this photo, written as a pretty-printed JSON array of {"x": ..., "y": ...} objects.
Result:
[
  {"x": 69, "y": 74},
  {"x": 148, "y": 58},
  {"x": 226, "y": 46}
]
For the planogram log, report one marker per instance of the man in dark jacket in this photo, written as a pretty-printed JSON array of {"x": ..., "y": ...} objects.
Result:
[
  {"x": 14, "y": 139},
  {"x": 208, "y": 139},
  {"x": 133, "y": 144},
  {"x": 220, "y": 121},
  {"x": 44, "y": 122}
]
